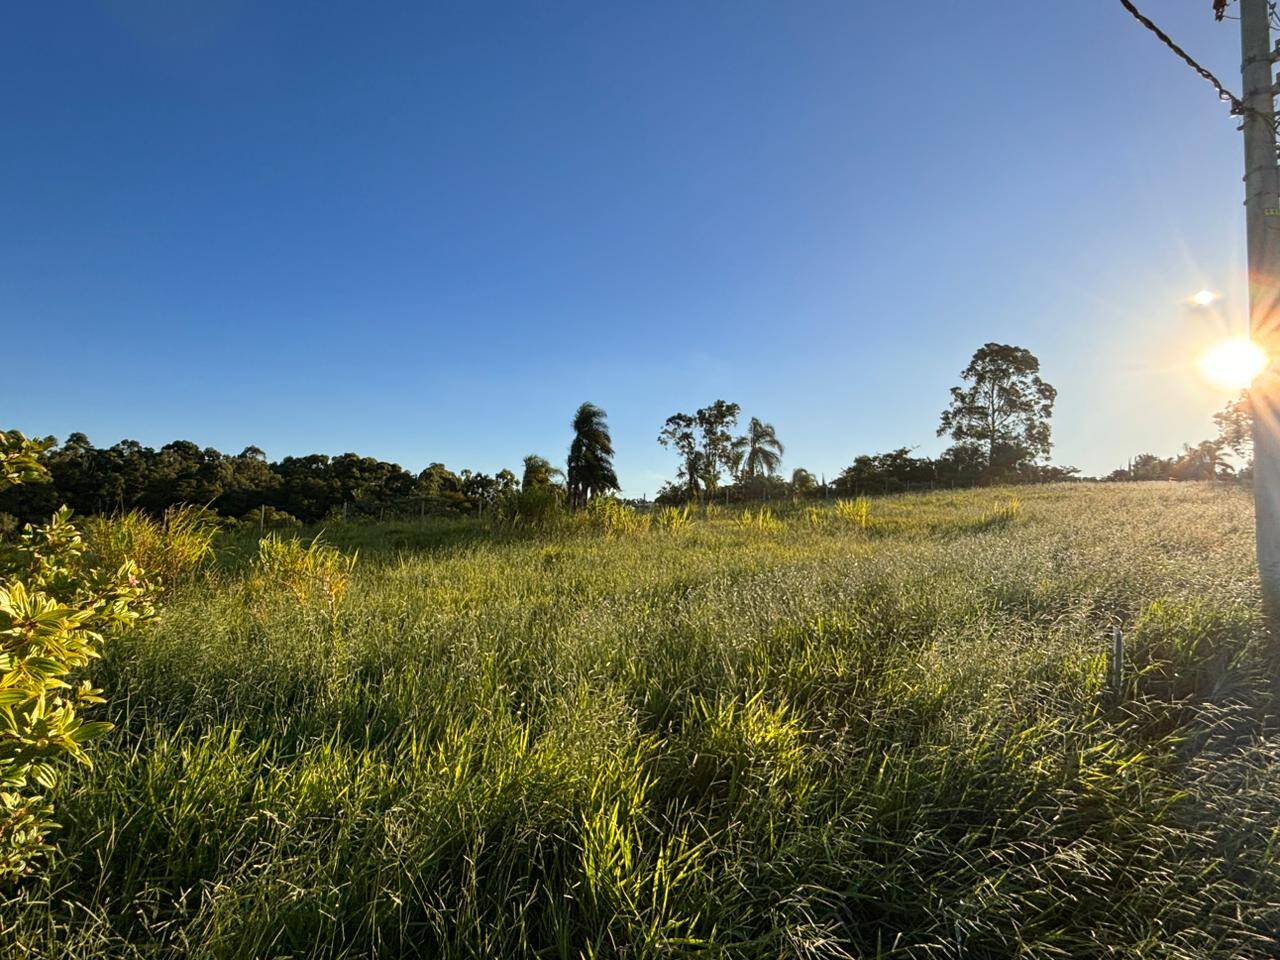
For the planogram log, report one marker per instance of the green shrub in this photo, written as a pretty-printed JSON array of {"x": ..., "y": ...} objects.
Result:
[
  {"x": 167, "y": 550},
  {"x": 674, "y": 519},
  {"x": 540, "y": 507},
  {"x": 611, "y": 517},
  {"x": 55, "y": 610},
  {"x": 269, "y": 518},
  {"x": 759, "y": 521},
  {"x": 310, "y": 572},
  {"x": 856, "y": 512}
]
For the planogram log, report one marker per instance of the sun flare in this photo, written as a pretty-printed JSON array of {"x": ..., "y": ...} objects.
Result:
[
  {"x": 1204, "y": 298},
  {"x": 1232, "y": 364}
]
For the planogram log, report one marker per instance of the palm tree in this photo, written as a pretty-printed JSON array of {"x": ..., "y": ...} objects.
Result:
[
  {"x": 538, "y": 472},
  {"x": 761, "y": 449},
  {"x": 590, "y": 456}
]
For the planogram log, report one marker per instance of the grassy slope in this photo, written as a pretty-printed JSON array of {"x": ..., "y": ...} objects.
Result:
[{"x": 805, "y": 742}]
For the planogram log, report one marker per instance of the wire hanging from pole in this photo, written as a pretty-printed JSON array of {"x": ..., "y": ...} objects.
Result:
[{"x": 1237, "y": 105}]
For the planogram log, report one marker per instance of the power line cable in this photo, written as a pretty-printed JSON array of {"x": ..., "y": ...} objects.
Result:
[{"x": 1238, "y": 106}]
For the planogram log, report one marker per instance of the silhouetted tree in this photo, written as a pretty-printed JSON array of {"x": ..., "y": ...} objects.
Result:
[
  {"x": 1235, "y": 426},
  {"x": 1005, "y": 404},
  {"x": 715, "y": 423},
  {"x": 760, "y": 448},
  {"x": 679, "y": 434},
  {"x": 590, "y": 467},
  {"x": 128, "y": 476},
  {"x": 1201, "y": 462}
]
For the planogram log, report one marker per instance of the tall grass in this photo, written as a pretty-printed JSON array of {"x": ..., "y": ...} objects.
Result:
[
  {"x": 674, "y": 520},
  {"x": 309, "y": 572},
  {"x": 612, "y": 517},
  {"x": 167, "y": 550},
  {"x": 761, "y": 520},
  {"x": 856, "y": 512},
  {"x": 810, "y": 743}
]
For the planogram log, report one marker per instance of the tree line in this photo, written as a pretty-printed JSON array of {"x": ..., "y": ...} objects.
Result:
[
  {"x": 129, "y": 476},
  {"x": 1227, "y": 456},
  {"x": 998, "y": 419}
]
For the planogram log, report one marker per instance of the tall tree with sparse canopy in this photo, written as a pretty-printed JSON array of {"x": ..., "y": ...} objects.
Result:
[
  {"x": 703, "y": 442},
  {"x": 760, "y": 448},
  {"x": 590, "y": 468},
  {"x": 1004, "y": 408}
]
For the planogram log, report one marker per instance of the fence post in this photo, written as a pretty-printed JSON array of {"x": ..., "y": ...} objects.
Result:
[
  {"x": 1117, "y": 659},
  {"x": 262, "y": 519}
]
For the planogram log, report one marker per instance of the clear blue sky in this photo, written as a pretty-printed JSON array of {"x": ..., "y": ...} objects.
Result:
[{"x": 426, "y": 231}]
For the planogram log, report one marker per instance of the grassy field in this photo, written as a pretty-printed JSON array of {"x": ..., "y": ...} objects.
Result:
[{"x": 879, "y": 735}]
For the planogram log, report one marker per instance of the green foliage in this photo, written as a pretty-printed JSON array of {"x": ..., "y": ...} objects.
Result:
[
  {"x": 1185, "y": 649},
  {"x": 1147, "y": 466},
  {"x": 128, "y": 476},
  {"x": 803, "y": 483},
  {"x": 1005, "y": 404},
  {"x": 20, "y": 459},
  {"x": 310, "y": 573},
  {"x": 538, "y": 472},
  {"x": 1235, "y": 426},
  {"x": 539, "y": 506},
  {"x": 269, "y": 518},
  {"x": 674, "y": 520},
  {"x": 168, "y": 550},
  {"x": 761, "y": 520},
  {"x": 759, "y": 450},
  {"x": 704, "y": 444},
  {"x": 55, "y": 611},
  {"x": 590, "y": 467},
  {"x": 609, "y": 516},
  {"x": 963, "y": 465},
  {"x": 815, "y": 744}
]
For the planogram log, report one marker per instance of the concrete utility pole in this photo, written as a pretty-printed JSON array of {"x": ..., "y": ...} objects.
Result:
[{"x": 1262, "y": 213}]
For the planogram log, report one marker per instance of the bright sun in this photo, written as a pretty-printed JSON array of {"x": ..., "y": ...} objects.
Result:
[
  {"x": 1232, "y": 364},
  {"x": 1204, "y": 298}
]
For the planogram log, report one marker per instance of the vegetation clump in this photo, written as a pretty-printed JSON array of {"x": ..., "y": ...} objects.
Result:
[
  {"x": 169, "y": 549},
  {"x": 55, "y": 612},
  {"x": 610, "y": 516},
  {"x": 856, "y": 512},
  {"x": 309, "y": 572},
  {"x": 673, "y": 520}
]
